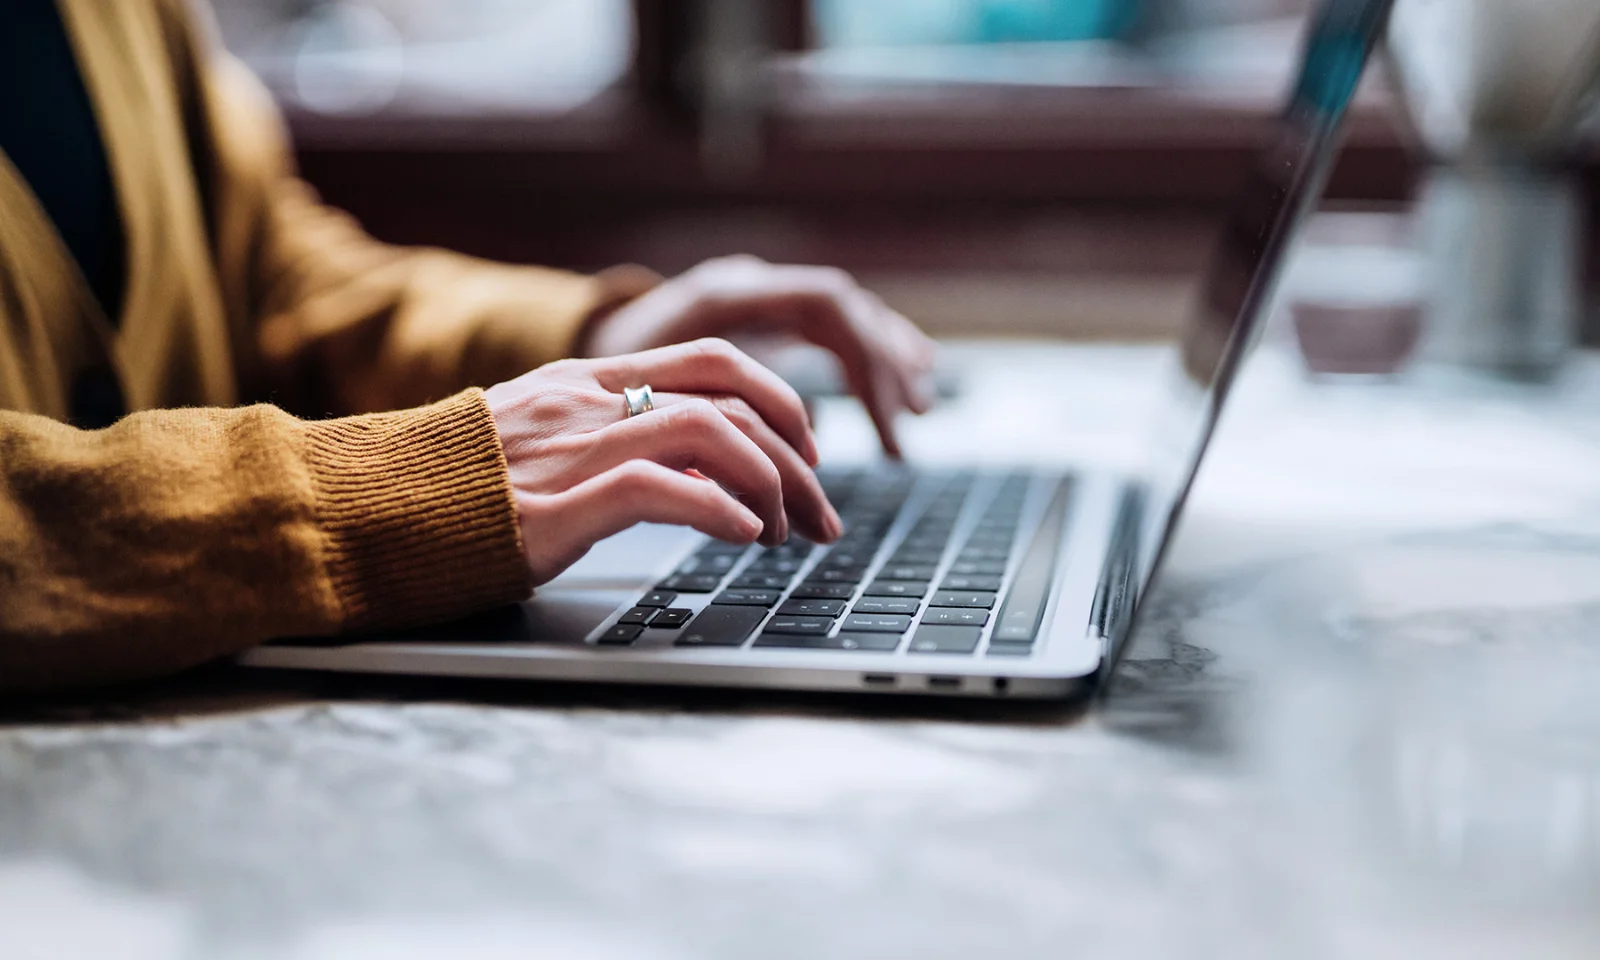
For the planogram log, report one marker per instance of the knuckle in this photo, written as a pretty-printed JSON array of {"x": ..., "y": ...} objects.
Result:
[
  {"x": 554, "y": 405},
  {"x": 633, "y": 478},
  {"x": 698, "y": 418},
  {"x": 837, "y": 278},
  {"x": 772, "y": 477},
  {"x": 830, "y": 285},
  {"x": 730, "y": 263},
  {"x": 738, "y": 411},
  {"x": 718, "y": 352},
  {"x": 562, "y": 369}
]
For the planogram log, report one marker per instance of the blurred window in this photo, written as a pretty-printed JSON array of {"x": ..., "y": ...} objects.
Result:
[
  {"x": 1051, "y": 42},
  {"x": 352, "y": 57},
  {"x": 849, "y": 23}
]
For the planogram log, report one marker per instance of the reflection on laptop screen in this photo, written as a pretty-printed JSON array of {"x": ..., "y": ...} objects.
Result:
[{"x": 1280, "y": 192}]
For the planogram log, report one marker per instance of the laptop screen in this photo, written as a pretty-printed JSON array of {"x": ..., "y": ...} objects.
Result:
[{"x": 1280, "y": 192}]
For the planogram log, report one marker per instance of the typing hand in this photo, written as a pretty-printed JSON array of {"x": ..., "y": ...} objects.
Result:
[
  {"x": 727, "y": 450},
  {"x": 887, "y": 360}
]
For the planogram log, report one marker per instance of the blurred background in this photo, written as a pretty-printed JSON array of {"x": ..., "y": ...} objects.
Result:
[{"x": 993, "y": 167}]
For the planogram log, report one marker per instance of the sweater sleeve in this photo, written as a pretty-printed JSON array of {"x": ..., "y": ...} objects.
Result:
[
  {"x": 346, "y": 322},
  {"x": 178, "y": 536}
]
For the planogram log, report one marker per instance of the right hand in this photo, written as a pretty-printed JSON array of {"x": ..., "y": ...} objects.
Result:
[{"x": 728, "y": 450}]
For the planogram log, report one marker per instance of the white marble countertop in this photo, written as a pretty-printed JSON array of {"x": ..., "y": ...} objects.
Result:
[{"x": 1363, "y": 720}]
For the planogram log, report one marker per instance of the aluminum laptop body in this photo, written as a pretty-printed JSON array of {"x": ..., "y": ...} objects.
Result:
[{"x": 949, "y": 583}]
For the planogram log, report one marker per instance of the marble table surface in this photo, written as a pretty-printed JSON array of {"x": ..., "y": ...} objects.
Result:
[{"x": 1361, "y": 720}]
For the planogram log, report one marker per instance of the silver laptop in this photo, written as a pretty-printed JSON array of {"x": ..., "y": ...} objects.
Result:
[{"x": 950, "y": 583}]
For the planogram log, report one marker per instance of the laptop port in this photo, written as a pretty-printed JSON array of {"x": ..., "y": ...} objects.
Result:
[
  {"x": 878, "y": 679},
  {"x": 944, "y": 683},
  {"x": 1002, "y": 686}
]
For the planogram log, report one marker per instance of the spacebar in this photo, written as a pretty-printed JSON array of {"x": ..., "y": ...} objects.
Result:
[{"x": 1030, "y": 591}]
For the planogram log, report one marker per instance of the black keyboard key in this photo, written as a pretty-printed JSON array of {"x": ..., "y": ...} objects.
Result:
[
  {"x": 958, "y": 616},
  {"x": 658, "y": 598},
  {"x": 805, "y": 626},
  {"x": 775, "y": 565},
  {"x": 793, "y": 549},
  {"x": 940, "y": 639},
  {"x": 671, "y": 618},
  {"x": 621, "y": 635},
  {"x": 898, "y": 588},
  {"x": 901, "y": 605},
  {"x": 813, "y": 590},
  {"x": 851, "y": 575},
  {"x": 963, "y": 598},
  {"x": 984, "y": 553},
  {"x": 1015, "y": 632},
  {"x": 876, "y": 623},
  {"x": 869, "y": 642},
  {"x": 747, "y": 598},
  {"x": 913, "y": 556},
  {"x": 967, "y": 568},
  {"x": 721, "y": 627},
  {"x": 999, "y": 540},
  {"x": 760, "y": 581},
  {"x": 907, "y": 572},
  {"x": 639, "y": 615},
  {"x": 970, "y": 582},
  {"x": 714, "y": 563},
  {"x": 691, "y": 582},
  {"x": 718, "y": 548},
  {"x": 807, "y": 607},
  {"x": 849, "y": 558}
]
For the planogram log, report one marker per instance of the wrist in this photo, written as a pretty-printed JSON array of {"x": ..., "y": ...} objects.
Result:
[{"x": 618, "y": 288}]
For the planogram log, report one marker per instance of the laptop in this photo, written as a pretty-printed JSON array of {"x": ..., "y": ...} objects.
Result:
[{"x": 957, "y": 583}]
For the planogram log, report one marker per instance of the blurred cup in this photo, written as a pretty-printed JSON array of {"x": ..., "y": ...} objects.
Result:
[{"x": 1355, "y": 295}]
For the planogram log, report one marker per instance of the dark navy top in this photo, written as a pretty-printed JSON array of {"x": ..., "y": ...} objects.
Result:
[{"x": 49, "y": 132}]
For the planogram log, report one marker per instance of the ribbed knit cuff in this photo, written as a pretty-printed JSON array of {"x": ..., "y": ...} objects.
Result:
[{"x": 418, "y": 513}]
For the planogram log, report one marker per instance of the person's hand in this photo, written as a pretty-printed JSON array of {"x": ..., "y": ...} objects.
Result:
[
  {"x": 727, "y": 450},
  {"x": 887, "y": 361}
]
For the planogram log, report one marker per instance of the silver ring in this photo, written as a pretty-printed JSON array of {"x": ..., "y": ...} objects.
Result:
[{"x": 638, "y": 400}]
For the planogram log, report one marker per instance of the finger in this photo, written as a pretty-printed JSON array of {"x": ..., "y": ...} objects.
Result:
[
  {"x": 889, "y": 337},
  {"x": 713, "y": 366},
  {"x": 835, "y": 313},
  {"x": 560, "y": 528},
  {"x": 805, "y": 504},
  {"x": 869, "y": 373},
  {"x": 883, "y": 399},
  {"x": 691, "y": 434},
  {"x": 913, "y": 352},
  {"x": 889, "y": 341}
]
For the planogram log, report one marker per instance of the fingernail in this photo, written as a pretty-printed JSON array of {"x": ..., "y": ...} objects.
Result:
[
  {"x": 751, "y": 526},
  {"x": 835, "y": 525}
]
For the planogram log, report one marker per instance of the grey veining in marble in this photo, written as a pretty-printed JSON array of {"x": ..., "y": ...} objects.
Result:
[{"x": 1362, "y": 720}]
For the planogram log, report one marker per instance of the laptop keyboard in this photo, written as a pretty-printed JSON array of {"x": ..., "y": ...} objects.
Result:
[{"x": 930, "y": 563}]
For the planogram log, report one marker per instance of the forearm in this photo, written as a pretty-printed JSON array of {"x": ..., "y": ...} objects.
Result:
[
  {"x": 345, "y": 323},
  {"x": 176, "y": 537},
  {"x": 381, "y": 327}
]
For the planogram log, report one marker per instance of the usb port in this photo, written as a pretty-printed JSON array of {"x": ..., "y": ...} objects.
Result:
[
  {"x": 944, "y": 683},
  {"x": 878, "y": 679}
]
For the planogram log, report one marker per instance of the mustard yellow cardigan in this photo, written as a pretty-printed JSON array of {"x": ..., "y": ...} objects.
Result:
[{"x": 197, "y": 527}]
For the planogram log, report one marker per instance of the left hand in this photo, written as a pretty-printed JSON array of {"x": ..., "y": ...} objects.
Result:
[{"x": 887, "y": 360}]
